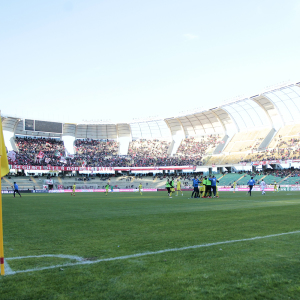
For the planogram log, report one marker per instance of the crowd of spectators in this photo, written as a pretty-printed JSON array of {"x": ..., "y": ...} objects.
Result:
[
  {"x": 148, "y": 152},
  {"x": 195, "y": 147},
  {"x": 282, "y": 148},
  {"x": 94, "y": 153},
  {"x": 38, "y": 151},
  {"x": 274, "y": 154},
  {"x": 96, "y": 147},
  {"x": 104, "y": 153}
]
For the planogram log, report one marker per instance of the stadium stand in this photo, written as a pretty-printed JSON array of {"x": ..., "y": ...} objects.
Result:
[
  {"x": 148, "y": 152},
  {"x": 38, "y": 151},
  {"x": 96, "y": 147},
  {"x": 24, "y": 183},
  {"x": 197, "y": 147},
  {"x": 238, "y": 147},
  {"x": 228, "y": 179},
  {"x": 245, "y": 130},
  {"x": 284, "y": 146},
  {"x": 247, "y": 177},
  {"x": 244, "y": 141},
  {"x": 90, "y": 152}
]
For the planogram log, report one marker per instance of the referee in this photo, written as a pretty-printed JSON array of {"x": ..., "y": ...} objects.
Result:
[{"x": 16, "y": 190}]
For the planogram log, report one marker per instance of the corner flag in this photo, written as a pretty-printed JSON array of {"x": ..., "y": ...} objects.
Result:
[{"x": 4, "y": 169}]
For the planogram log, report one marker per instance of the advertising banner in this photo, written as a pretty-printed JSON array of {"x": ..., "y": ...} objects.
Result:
[
  {"x": 243, "y": 189},
  {"x": 7, "y": 192},
  {"x": 184, "y": 190},
  {"x": 39, "y": 191},
  {"x": 97, "y": 169},
  {"x": 269, "y": 162},
  {"x": 11, "y": 191},
  {"x": 294, "y": 188},
  {"x": 101, "y": 190},
  {"x": 59, "y": 191}
]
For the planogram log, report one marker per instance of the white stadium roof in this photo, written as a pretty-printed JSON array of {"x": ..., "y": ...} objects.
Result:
[{"x": 278, "y": 106}]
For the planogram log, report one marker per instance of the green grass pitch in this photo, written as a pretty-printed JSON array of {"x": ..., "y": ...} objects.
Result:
[{"x": 93, "y": 226}]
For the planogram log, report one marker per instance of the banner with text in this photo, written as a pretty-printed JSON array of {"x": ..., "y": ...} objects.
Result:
[
  {"x": 269, "y": 162},
  {"x": 97, "y": 169},
  {"x": 100, "y": 191}
]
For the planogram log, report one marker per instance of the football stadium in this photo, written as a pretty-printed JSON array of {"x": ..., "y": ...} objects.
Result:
[
  {"x": 125, "y": 235},
  {"x": 149, "y": 150}
]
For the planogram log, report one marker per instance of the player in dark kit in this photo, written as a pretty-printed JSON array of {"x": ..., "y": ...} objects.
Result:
[
  {"x": 251, "y": 183},
  {"x": 208, "y": 187},
  {"x": 196, "y": 188},
  {"x": 214, "y": 181},
  {"x": 16, "y": 190},
  {"x": 168, "y": 187}
]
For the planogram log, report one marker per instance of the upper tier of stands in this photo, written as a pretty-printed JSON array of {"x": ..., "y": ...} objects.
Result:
[
  {"x": 287, "y": 136},
  {"x": 243, "y": 147},
  {"x": 284, "y": 145},
  {"x": 192, "y": 151},
  {"x": 198, "y": 147},
  {"x": 148, "y": 152},
  {"x": 244, "y": 141},
  {"x": 94, "y": 153},
  {"x": 98, "y": 148},
  {"x": 29, "y": 149}
]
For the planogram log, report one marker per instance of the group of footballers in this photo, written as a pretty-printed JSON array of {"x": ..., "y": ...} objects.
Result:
[
  {"x": 204, "y": 187},
  {"x": 207, "y": 184},
  {"x": 208, "y": 187},
  {"x": 170, "y": 186}
]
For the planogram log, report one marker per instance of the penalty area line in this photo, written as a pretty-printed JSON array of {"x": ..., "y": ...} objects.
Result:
[{"x": 81, "y": 261}]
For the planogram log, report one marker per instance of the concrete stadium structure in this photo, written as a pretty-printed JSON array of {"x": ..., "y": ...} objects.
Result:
[{"x": 263, "y": 114}]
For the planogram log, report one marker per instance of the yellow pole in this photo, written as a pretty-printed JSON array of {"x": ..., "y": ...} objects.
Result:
[{"x": 1, "y": 227}]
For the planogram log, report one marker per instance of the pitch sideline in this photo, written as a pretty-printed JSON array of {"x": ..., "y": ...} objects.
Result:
[{"x": 82, "y": 261}]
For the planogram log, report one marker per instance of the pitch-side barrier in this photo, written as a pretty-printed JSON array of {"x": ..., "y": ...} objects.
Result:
[
  {"x": 285, "y": 188},
  {"x": 102, "y": 190}
]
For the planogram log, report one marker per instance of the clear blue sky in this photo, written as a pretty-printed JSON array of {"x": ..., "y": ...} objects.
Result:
[{"x": 118, "y": 60}]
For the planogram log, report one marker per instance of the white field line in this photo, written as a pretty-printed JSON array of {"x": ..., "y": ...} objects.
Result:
[
  {"x": 78, "y": 258},
  {"x": 81, "y": 260},
  {"x": 7, "y": 269}
]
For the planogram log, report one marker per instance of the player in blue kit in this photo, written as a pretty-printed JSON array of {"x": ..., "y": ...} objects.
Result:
[
  {"x": 214, "y": 181},
  {"x": 196, "y": 188},
  {"x": 16, "y": 190},
  {"x": 250, "y": 183}
]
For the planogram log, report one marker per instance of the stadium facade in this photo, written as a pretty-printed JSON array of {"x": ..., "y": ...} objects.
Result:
[{"x": 267, "y": 113}]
